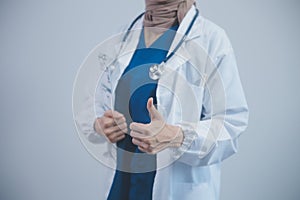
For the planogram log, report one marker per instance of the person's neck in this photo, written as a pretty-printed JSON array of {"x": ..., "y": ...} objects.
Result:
[{"x": 151, "y": 35}]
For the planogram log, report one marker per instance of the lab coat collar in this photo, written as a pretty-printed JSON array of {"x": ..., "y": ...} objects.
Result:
[{"x": 187, "y": 20}]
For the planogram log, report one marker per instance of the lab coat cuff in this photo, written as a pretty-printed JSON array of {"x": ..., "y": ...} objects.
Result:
[
  {"x": 96, "y": 138},
  {"x": 189, "y": 135},
  {"x": 88, "y": 129}
]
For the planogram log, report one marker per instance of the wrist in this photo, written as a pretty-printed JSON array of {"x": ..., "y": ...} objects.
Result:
[
  {"x": 178, "y": 136},
  {"x": 189, "y": 135}
]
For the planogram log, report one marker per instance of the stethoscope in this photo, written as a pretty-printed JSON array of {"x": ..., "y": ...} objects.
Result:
[{"x": 156, "y": 70}]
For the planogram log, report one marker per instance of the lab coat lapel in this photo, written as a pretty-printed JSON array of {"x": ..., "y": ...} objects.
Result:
[
  {"x": 125, "y": 51},
  {"x": 129, "y": 47},
  {"x": 182, "y": 54}
]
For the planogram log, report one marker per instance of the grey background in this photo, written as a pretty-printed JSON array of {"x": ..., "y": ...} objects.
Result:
[{"x": 42, "y": 44}]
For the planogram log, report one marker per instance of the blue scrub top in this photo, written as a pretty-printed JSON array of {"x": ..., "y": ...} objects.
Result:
[{"x": 132, "y": 93}]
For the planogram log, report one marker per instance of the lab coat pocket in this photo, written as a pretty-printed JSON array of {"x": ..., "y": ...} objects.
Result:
[
  {"x": 196, "y": 81},
  {"x": 195, "y": 100}
]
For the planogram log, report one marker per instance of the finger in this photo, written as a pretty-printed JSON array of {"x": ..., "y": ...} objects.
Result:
[
  {"x": 158, "y": 148},
  {"x": 110, "y": 122},
  {"x": 125, "y": 130},
  {"x": 108, "y": 113},
  {"x": 148, "y": 151},
  {"x": 115, "y": 128},
  {"x": 139, "y": 127},
  {"x": 152, "y": 142},
  {"x": 150, "y": 107},
  {"x": 142, "y": 149},
  {"x": 118, "y": 120},
  {"x": 153, "y": 112},
  {"x": 113, "y": 114},
  {"x": 140, "y": 143},
  {"x": 116, "y": 133},
  {"x": 138, "y": 135},
  {"x": 122, "y": 126},
  {"x": 121, "y": 137},
  {"x": 107, "y": 123},
  {"x": 114, "y": 136},
  {"x": 102, "y": 123}
]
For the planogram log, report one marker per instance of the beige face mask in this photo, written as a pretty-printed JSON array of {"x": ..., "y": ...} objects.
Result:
[
  {"x": 160, "y": 15},
  {"x": 166, "y": 13}
]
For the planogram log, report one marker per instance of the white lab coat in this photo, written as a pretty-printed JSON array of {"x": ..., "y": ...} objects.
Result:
[{"x": 209, "y": 105}]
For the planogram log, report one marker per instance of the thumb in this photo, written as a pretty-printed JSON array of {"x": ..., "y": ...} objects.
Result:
[{"x": 153, "y": 112}]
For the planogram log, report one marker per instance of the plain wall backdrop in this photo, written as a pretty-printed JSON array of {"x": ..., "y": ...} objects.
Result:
[{"x": 43, "y": 43}]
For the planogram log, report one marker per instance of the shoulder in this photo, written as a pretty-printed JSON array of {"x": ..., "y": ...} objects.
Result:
[
  {"x": 209, "y": 27},
  {"x": 214, "y": 33},
  {"x": 211, "y": 37}
]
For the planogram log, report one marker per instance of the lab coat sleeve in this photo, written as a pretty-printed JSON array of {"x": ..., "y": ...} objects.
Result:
[
  {"x": 97, "y": 99},
  {"x": 91, "y": 108},
  {"x": 215, "y": 137}
]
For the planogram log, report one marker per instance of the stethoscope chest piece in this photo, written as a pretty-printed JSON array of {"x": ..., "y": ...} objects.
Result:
[{"x": 156, "y": 70}]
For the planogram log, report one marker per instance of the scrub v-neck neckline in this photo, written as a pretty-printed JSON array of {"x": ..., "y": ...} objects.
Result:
[{"x": 163, "y": 37}]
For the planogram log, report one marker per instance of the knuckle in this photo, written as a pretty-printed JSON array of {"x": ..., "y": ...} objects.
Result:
[
  {"x": 146, "y": 146},
  {"x": 134, "y": 141},
  {"x": 137, "y": 142},
  {"x": 147, "y": 141},
  {"x": 105, "y": 131},
  {"x": 106, "y": 124},
  {"x": 108, "y": 112},
  {"x": 110, "y": 138},
  {"x": 114, "y": 141},
  {"x": 115, "y": 113},
  {"x": 123, "y": 119}
]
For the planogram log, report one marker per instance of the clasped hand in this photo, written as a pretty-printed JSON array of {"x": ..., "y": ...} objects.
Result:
[{"x": 150, "y": 138}]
